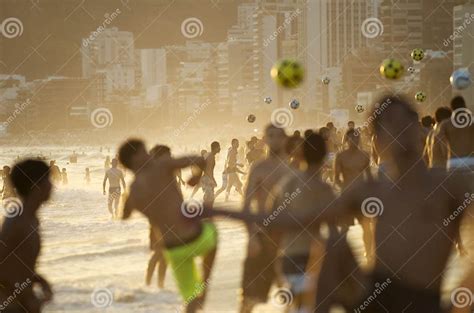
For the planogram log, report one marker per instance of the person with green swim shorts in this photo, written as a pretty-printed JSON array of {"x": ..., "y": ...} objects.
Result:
[{"x": 156, "y": 194}]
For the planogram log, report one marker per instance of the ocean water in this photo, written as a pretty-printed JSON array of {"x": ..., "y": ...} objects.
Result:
[{"x": 92, "y": 260}]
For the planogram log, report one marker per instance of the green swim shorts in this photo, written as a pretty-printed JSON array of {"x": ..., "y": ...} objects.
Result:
[{"x": 181, "y": 260}]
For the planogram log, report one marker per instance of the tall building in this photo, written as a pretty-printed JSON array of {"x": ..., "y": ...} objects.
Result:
[
  {"x": 464, "y": 44},
  {"x": 111, "y": 52},
  {"x": 153, "y": 67}
]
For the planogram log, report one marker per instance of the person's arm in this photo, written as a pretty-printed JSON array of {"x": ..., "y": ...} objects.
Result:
[
  {"x": 104, "y": 182},
  {"x": 375, "y": 155},
  {"x": 45, "y": 287},
  {"x": 250, "y": 189},
  {"x": 183, "y": 162}
]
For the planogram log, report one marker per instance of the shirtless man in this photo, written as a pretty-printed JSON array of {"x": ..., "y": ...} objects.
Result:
[
  {"x": 208, "y": 182},
  {"x": 115, "y": 177},
  {"x": 156, "y": 195},
  {"x": 350, "y": 166},
  {"x": 459, "y": 136},
  {"x": 262, "y": 253},
  {"x": 436, "y": 151},
  {"x": 20, "y": 241},
  {"x": 233, "y": 177}
]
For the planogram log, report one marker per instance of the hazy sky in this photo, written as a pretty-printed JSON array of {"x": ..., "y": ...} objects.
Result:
[{"x": 52, "y": 29}]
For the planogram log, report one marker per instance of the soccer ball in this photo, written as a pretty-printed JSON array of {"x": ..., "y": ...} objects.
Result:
[
  {"x": 326, "y": 80},
  {"x": 461, "y": 79},
  {"x": 417, "y": 54},
  {"x": 359, "y": 108},
  {"x": 391, "y": 69},
  {"x": 251, "y": 118},
  {"x": 294, "y": 104},
  {"x": 287, "y": 73},
  {"x": 411, "y": 70},
  {"x": 420, "y": 96},
  {"x": 267, "y": 100}
]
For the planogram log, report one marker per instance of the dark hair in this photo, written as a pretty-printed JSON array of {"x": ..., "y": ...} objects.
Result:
[
  {"x": 128, "y": 149},
  {"x": 458, "y": 103},
  {"x": 330, "y": 125},
  {"x": 427, "y": 121},
  {"x": 215, "y": 145},
  {"x": 308, "y": 132},
  {"x": 159, "y": 150},
  {"x": 297, "y": 133},
  {"x": 28, "y": 174},
  {"x": 314, "y": 149},
  {"x": 235, "y": 140},
  {"x": 442, "y": 113},
  {"x": 351, "y": 122},
  {"x": 293, "y": 143}
]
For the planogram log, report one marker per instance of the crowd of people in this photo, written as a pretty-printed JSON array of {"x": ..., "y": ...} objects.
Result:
[{"x": 407, "y": 181}]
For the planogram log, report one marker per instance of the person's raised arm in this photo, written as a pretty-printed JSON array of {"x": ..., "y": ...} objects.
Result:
[{"x": 183, "y": 162}]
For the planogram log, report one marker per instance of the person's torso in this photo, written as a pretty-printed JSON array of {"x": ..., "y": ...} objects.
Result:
[{"x": 114, "y": 175}]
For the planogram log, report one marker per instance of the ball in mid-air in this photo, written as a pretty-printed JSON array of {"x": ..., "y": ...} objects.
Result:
[
  {"x": 461, "y": 79},
  {"x": 411, "y": 70},
  {"x": 420, "y": 96},
  {"x": 267, "y": 100},
  {"x": 417, "y": 54},
  {"x": 287, "y": 73},
  {"x": 294, "y": 104},
  {"x": 326, "y": 80},
  {"x": 251, "y": 118},
  {"x": 359, "y": 108},
  {"x": 391, "y": 69}
]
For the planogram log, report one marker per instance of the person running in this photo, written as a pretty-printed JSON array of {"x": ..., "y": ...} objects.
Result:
[
  {"x": 8, "y": 191},
  {"x": 208, "y": 182},
  {"x": 157, "y": 259},
  {"x": 155, "y": 194},
  {"x": 21, "y": 241},
  {"x": 196, "y": 171},
  {"x": 232, "y": 170},
  {"x": 115, "y": 177},
  {"x": 260, "y": 266}
]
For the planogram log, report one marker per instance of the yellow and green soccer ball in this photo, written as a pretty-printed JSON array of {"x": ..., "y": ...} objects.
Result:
[
  {"x": 420, "y": 96},
  {"x": 287, "y": 73},
  {"x": 391, "y": 69},
  {"x": 417, "y": 54}
]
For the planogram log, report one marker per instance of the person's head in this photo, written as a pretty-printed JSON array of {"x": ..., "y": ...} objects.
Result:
[
  {"x": 87, "y": 169},
  {"x": 427, "y": 121},
  {"x": 314, "y": 149},
  {"x": 114, "y": 163},
  {"x": 6, "y": 170},
  {"x": 351, "y": 125},
  {"x": 51, "y": 163},
  {"x": 458, "y": 103},
  {"x": 297, "y": 133},
  {"x": 275, "y": 138},
  {"x": 160, "y": 151},
  {"x": 397, "y": 130},
  {"x": 324, "y": 132},
  {"x": 330, "y": 125},
  {"x": 215, "y": 147},
  {"x": 351, "y": 138},
  {"x": 108, "y": 158},
  {"x": 442, "y": 113},
  {"x": 235, "y": 143},
  {"x": 64, "y": 169},
  {"x": 133, "y": 154},
  {"x": 30, "y": 178},
  {"x": 308, "y": 132},
  {"x": 203, "y": 153},
  {"x": 254, "y": 139}
]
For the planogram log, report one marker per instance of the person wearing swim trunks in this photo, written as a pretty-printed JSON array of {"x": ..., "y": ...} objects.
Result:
[
  {"x": 232, "y": 173},
  {"x": 115, "y": 177},
  {"x": 154, "y": 193}
]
